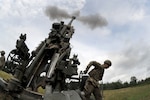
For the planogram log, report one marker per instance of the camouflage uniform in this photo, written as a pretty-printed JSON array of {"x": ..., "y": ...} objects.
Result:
[
  {"x": 2, "y": 60},
  {"x": 92, "y": 85}
]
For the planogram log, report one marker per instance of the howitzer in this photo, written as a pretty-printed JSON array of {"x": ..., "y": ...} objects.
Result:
[
  {"x": 52, "y": 57},
  {"x": 53, "y": 50}
]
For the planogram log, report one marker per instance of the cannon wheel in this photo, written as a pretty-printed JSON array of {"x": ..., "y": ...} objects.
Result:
[{"x": 11, "y": 62}]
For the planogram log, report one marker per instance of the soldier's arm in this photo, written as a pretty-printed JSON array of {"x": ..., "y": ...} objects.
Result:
[{"x": 89, "y": 65}]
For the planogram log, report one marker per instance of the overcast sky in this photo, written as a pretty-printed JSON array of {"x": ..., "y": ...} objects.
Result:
[{"x": 122, "y": 35}]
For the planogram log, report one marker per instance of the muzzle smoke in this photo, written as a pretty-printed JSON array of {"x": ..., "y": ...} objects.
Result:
[{"x": 93, "y": 21}]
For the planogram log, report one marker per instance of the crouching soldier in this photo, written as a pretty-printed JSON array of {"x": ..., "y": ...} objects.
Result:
[{"x": 95, "y": 75}]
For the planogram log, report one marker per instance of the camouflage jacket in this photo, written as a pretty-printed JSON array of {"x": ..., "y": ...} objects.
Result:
[
  {"x": 2, "y": 61},
  {"x": 97, "y": 72}
]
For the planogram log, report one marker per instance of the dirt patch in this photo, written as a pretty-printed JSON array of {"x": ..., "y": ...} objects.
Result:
[{"x": 4, "y": 96}]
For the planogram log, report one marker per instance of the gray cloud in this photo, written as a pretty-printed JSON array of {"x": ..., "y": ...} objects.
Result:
[
  {"x": 93, "y": 21},
  {"x": 54, "y": 12},
  {"x": 137, "y": 55},
  {"x": 133, "y": 60}
]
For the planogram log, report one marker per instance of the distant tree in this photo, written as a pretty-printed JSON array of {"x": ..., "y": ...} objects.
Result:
[
  {"x": 133, "y": 81},
  {"x": 147, "y": 80},
  {"x": 126, "y": 84},
  {"x": 114, "y": 85},
  {"x": 118, "y": 84}
]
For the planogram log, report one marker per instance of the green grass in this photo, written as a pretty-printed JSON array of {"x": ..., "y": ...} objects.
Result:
[
  {"x": 134, "y": 93},
  {"x": 5, "y": 75}
]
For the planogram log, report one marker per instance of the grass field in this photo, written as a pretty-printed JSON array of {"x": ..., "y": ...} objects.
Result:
[
  {"x": 132, "y": 93},
  {"x": 5, "y": 75}
]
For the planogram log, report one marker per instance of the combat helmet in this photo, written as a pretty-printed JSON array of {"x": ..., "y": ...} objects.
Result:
[
  {"x": 108, "y": 62},
  {"x": 2, "y": 52}
]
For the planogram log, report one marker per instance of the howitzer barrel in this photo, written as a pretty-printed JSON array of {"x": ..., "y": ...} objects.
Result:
[
  {"x": 73, "y": 18},
  {"x": 69, "y": 24},
  {"x": 32, "y": 67},
  {"x": 53, "y": 64}
]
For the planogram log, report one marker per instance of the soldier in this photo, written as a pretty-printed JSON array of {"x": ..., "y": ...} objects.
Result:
[
  {"x": 95, "y": 75},
  {"x": 2, "y": 60}
]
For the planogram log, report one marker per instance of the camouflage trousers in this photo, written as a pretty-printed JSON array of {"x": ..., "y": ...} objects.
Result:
[{"x": 92, "y": 86}]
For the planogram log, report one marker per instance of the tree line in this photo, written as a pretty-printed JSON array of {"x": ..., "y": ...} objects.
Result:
[{"x": 119, "y": 84}]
